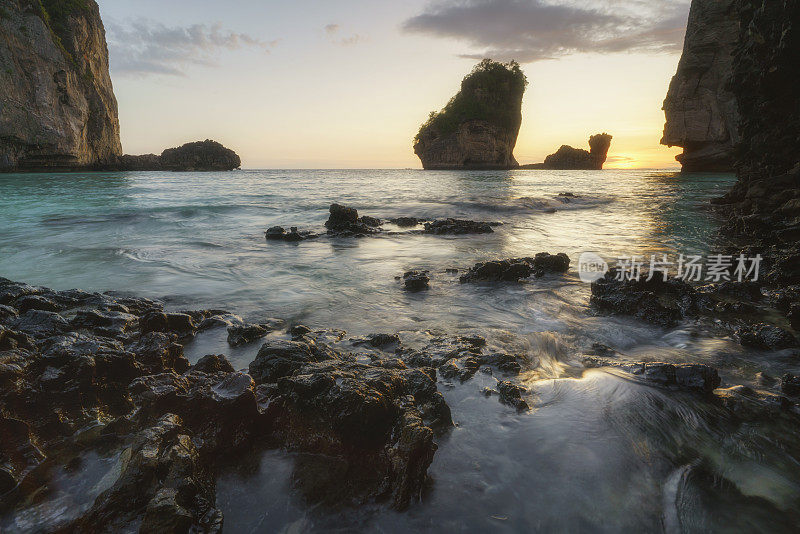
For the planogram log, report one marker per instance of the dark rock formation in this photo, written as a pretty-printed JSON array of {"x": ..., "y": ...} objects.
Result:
[
  {"x": 416, "y": 280},
  {"x": 695, "y": 376},
  {"x": 514, "y": 270},
  {"x": 764, "y": 206},
  {"x": 568, "y": 158},
  {"x": 345, "y": 222},
  {"x": 57, "y": 104},
  {"x": 701, "y": 109},
  {"x": 478, "y": 128},
  {"x": 105, "y": 373},
  {"x": 457, "y": 227},
  {"x": 278, "y": 233},
  {"x": 200, "y": 156}
]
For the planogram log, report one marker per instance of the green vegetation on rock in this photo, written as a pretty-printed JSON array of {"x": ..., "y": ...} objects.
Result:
[
  {"x": 55, "y": 14},
  {"x": 487, "y": 93}
]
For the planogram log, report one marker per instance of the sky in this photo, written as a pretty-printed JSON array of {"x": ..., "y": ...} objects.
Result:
[{"x": 347, "y": 83}]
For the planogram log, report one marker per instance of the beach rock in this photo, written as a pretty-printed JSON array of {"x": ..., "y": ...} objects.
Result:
[
  {"x": 59, "y": 109},
  {"x": 298, "y": 331},
  {"x": 457, "y": 227},
  {"x": 513, "y": 270},
  {"x": 569, "y": 158},
  {"x": 700, "y": 107},
  {"x": 406, "y": 222},
  {"x": 416, "y": 280},
  {"x": 696, "y": 377},
  {"x": 40, "y": 324},
  {"x": 380, "y": 341},
  {"x": 750, "y": 404},
  {"x": 479, "y": 126},
  {"x": 278, "y": 358},
  {"x": 157, "y": 321}
]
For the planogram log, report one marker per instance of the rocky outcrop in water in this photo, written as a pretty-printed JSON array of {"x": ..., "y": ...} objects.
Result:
[
  {"x": 57, "y": 104},
  {"x": 577, "y": 159},
  {"x": 200, "y": 156},
  {"x": 478, "y": 128},
  {"x": 514, "y": 270},
  {"x": 701, "y": 109}
]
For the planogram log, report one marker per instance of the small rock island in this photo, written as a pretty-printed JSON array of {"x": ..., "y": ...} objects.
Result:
[
  {"x": 576, "y": 159},
  {"x": 478, "y": 128},
  {"x": 205, "y": 155}
]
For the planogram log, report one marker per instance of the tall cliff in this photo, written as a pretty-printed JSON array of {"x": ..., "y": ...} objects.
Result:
[
  {"x": 57, "y": 104},
  {"x": 701, "y": 110},
  {"x": 479, "y": 126}
]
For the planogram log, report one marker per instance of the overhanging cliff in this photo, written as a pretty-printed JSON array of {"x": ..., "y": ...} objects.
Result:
[{"x": 701, "y": 110}]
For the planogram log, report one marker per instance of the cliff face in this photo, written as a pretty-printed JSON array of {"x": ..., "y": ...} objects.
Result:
[
  {"x": 57, "y": 104},
  {"x": 764, "y": 206},
  {"x": 478, "y": 128},
  {"x": 701, "y": 111}
]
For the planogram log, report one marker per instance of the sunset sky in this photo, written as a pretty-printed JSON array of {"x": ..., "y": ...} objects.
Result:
[{"x": 346, "y": 83}]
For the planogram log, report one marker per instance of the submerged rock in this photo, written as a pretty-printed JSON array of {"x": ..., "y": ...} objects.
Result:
[
  {"x": 278, "y": 233},
  {"x": 416, "y": 280},
  {"x": 696, "y": 376},
  {"x": 457, "y": 227},
  {"x": 514, "y": 270},
  {"x": 766, "y": 336},
  {"x": 478, "y": 128}
]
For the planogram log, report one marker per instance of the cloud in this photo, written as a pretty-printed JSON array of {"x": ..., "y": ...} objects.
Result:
[
  {"x": 534, "y": 30},
  {"x": 145, "y": 47},
  {"x": 332, "y": 31}
]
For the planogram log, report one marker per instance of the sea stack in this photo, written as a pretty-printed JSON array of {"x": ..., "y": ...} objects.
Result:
[
  {"x": 205, "y": 155},
  {"x": 478, "y": 128},
  {"x": 568, "y": 158},
  {"x": 57, "y": 104},
  {"x": 701, "y": 110}
]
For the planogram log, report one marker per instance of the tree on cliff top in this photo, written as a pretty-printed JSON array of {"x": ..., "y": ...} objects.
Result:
[{"x": 491, "y": 92}]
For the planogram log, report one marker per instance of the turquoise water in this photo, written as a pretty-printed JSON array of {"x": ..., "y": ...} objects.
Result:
[{"x": 597, "y": 453}]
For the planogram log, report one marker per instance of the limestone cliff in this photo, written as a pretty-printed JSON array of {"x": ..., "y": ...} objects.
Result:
[
  {"x": 478, "y": 128},
  {"x": 57, "y": 104},
  {"x": 577, "y": 159},
  {"x": 701, "y": 110}
]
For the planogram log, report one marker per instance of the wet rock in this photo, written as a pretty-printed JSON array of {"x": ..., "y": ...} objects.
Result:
[
  {"x": 11, "y": 291},
  {"x": 36, "y": 302},
  {"x": 11, "y": 340},
  {"x": 162, "y": 485},
  {"x": 416, "y": 280},
  {"x": 112, "y": 323},
  {"x": 457, "y": 227},
  {"x": 344, "y": 222},
  {"x": 278, "y": 358},
  {"x": 299, "y": 331},
  {"x": 278, "y": 233},
  {"x": 243, "y": 334},
  {"x": 213, "y": 363},
  {"x": 156, "y": 321},
  {"x": 790, "y": 385},
  {"x": 7, "y": 312},
  {"x": 40, "y": 324},
  {"x": 655, "y": 301},
  {"x": 697, "y": 377},
  {"x": 406, "y": 222},
  {"x": 751, "y": 404},
  {"x": 380, "y": 341},
  {"x": 158, "y": 351},
  {"x": 511, "y": 394},
  {"x": 371, "y": 221},
  {"x": 367, "y": 424},
  {"x": 513, "y": 270},
  {"x": 765, "y": 336}
]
